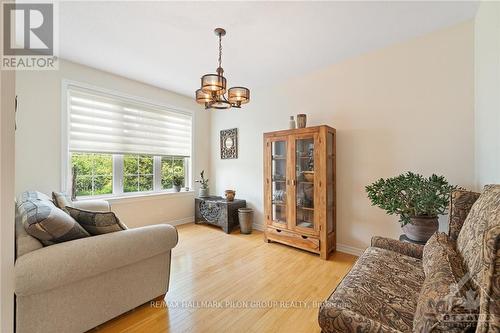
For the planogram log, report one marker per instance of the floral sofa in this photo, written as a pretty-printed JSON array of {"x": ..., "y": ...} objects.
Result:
[{"x": 452, "y": 284}]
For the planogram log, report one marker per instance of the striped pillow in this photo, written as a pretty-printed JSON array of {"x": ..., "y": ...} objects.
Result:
[{"x": 96, "y": 223}]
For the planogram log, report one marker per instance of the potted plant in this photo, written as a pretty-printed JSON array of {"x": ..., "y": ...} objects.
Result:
[
  {"x": 417, "y": 200},
  {"x": 177, "y": 182},
  {"x": 203, "y": 193}
]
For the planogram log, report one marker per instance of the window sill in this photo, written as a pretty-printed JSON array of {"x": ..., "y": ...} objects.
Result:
[{"x": 139, "y": 196}]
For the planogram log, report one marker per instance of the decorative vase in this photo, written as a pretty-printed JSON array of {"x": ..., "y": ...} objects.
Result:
[
  {"x": 177, "y": 188},
  {"x": 421, "y": 228},
  {"x": 229, "y": 195},
  {"x": 292, "y": 123},
  {"x": 301, "y": 120},
  {"x": 203, "y": 192}
]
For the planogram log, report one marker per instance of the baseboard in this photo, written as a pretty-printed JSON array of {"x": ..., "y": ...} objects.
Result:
[
  {"x": 187, "y": 220},
  {"x": 349, "y": 249},
  {"x": 258, "y": 226},
  {"x": 181, "y": 221}
]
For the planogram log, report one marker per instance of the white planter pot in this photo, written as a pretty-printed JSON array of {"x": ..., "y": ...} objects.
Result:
[{"x": 203, "y": 193}]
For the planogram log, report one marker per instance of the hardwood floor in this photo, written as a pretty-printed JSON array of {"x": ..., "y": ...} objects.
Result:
[{"x": 247, "y": 286}]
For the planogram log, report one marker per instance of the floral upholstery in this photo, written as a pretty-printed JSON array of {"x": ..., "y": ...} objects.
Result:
[
  {"x": 438, "y": 246},
  {"x": 489, "y": 308},
  {"x": 484, "y": 214},
  {"x": 460, "y": 204},
  {"x": 408, "y": 249},
  {"x": 378, "y": 295},
  {"x": 443, "y": 305}
]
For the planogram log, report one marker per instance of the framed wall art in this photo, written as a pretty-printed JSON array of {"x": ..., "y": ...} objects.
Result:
[{"x": 229, "y": 143}]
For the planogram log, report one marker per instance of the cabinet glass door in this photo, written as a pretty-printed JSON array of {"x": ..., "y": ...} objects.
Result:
[
  {"x": 304, "y": 189},
  {"x": 279, "y": 181}
]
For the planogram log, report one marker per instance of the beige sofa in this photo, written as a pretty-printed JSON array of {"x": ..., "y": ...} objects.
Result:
[{"x": 77, "y": 285}]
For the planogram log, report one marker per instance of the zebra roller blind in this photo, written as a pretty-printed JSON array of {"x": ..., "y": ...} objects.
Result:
[{"x": 105, "y": 123}]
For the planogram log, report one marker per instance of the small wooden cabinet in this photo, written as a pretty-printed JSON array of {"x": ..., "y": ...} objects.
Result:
[
  {"x": 299, "y": 188},
  {"x": 218, "y": 211}
]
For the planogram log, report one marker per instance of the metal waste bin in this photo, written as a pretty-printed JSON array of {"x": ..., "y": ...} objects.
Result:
[{"x": 245, "y": 217}]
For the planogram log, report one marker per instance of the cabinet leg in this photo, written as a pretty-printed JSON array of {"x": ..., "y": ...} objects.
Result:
[{"x": 323, "y": 255}]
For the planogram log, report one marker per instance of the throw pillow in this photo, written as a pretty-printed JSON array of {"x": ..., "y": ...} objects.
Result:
[
  {"x": 96, "y": 223},
  {"x": 49, "y": 224},
  {"x": 31, "y": 195},
  {"x": 489, "y": 309},
  {"x": 62, "y": 200},
  {"x": 440, "y": 244},
  {"x": 444, "y": 303},
  {"x": 484, "y": 214}
]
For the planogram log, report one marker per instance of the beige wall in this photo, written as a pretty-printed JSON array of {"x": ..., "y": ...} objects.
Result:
[
  {"x": 38, "y": 138},
  {"x": 405, "y": 107},
  {"x": 7, "y": 102},
  {"x": 487, "y": 71}
]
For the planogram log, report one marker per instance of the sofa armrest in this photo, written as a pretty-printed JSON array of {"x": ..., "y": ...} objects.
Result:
[
  {"x": 408, "y": 249},
  {"x": 72, "y": 261},
  {"x": 460, "y": 205},
  {"x": 93, "y": 205}
]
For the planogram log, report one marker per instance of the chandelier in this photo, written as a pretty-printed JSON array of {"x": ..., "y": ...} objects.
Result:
[{"x": 212, "y": 93}]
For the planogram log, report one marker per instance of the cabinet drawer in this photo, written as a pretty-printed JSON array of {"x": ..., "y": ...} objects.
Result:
[{"x": 305, "y": 242}]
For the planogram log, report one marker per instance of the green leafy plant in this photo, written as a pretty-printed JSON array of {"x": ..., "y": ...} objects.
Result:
[
  {"x": 411, "y": 195},
  {"x": 203, "y": 182},
  {"x": 177, "y": 180}
]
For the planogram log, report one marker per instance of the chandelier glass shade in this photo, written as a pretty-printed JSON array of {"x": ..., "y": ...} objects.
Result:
[
  {"x": 212, "y": 93},
  {"x": 213, "y": 83}
]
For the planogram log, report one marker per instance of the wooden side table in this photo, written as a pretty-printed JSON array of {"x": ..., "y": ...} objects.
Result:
[
  {"x": 405, "y": 238},
  {"x": 218, "y": 211}
]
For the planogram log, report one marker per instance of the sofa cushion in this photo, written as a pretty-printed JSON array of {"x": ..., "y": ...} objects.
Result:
[
  {"x": 484, "y": 214},
  {"x": 379, "y": 294},
  {"x": 61, "y": 200},
  {"x": 25, "y": 243},
  {"x": 443, "y": 304},
  {"x": 461, "y": 202},
  {"x": 47, "y": 223},
  {"x": 438, "y": 246},
  {"x": 96, "y": 223},
  {"x": 31, "y": 195},
  {"x": 490, "y": 286}
]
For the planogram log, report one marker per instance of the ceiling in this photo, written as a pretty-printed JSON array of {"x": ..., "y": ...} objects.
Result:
[{"x": 171, "y": 44}]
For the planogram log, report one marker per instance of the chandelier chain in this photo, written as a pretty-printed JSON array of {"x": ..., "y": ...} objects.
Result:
[{"x": 220, "y": 50}]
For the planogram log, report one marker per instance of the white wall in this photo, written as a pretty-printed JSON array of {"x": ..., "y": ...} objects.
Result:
[
  {"x": 487, "y": 121},
  {"x": 409, "y": 106},
  {"x": 7, "y": 89},
  {"x": 38, "y": 138}
]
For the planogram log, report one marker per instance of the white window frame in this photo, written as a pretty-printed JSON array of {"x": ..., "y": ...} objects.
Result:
[{"x": 118, "y": 159}]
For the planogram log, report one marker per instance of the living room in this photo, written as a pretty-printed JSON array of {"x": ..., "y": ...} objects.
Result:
[{"x": 321, "y": 176}]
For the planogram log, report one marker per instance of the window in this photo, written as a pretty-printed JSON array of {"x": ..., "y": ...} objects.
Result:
[
  {"x": 137, "y": 173},
  {"x": 171, "y": 166},
  {"x": 94, "y": 173},
  {"x": 118, "y": 145}
]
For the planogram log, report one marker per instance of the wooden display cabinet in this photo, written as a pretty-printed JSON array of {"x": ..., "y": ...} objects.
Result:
[{"x": 299, "y": 188}]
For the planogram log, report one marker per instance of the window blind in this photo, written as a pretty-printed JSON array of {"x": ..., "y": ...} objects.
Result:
[{"x": 105, "y": 123}]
